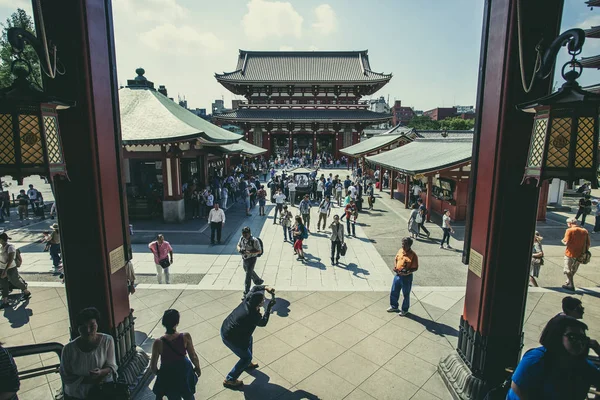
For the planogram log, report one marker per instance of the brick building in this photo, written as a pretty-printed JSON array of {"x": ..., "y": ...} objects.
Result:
[{"x": 401, "y": 115}]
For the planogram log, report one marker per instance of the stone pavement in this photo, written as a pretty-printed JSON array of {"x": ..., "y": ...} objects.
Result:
[{"x": 317, "y": 345}]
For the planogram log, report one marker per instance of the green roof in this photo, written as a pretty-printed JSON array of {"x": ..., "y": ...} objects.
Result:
[
  {"x": 148, "y": 117},
  {"x": 426, "y": 155},
  {"x": 396, "y": 134},
  {"x": 244, "y": 148}
]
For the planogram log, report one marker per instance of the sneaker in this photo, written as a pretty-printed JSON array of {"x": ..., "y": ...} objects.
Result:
[
  {"x": 567, "y": 287},
  {"x": 402, "y": 313},
  {"x": 449, "y": 247},
  {"x": 233, "y": 384},
  {"x": 260, "y": 282},
  {"x": 251, "y": 366},
  {"x": 392, "y": 309},
  {"x": 442, "y": 246}
]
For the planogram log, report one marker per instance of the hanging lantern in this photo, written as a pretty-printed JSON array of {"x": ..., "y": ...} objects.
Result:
[
  {"x": 564, "y": 141},
  {"x": 30, "y": 142}
]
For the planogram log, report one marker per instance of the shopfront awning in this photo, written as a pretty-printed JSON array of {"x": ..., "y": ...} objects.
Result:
[
  {"x": 394, "y": 137},
  {"x": 244, "y": 148},
  {"x": 426, "y": 155}
]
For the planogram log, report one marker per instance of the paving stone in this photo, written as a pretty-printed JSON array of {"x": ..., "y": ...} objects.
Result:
[
  {"x": 327, "y": 385},
  {"x": 320, "y": 322},
  {"x": 296, "y": 334},
  {"x": 436, "y": 385},
  {"x": 375, "y": 350},
  {"x": 345, "y": 335},
  {"x": 352, "y": 367},
  {"x": 383, "y": 385},
  {"x": 414, "y": 369},
  {"x": 295, "y": 366},
  {"x": 427, "y": 350},
  {"x": 321, "y": 349},
  {"x": 271, "y": 348}
]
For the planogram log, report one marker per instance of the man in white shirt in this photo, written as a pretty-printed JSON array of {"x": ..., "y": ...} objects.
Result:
[
  {"x": 292, "y": 188},
  {"x": 8, "y": 270},
  {"x": 324, "y": 211},
  {"x": 279, "y": 202},
  {"x": 352, "y": 189},
  {"x": 216, "y": 219},
  {"x": 33, "y": 194},
  {"x": 416, "y": 192}
]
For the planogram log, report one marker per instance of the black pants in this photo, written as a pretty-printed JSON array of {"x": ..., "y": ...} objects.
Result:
[
  {"x": 597, "y": 225},
  {"x": 336, "y": 244},
  {"x": 215, "y": 227},
  {"x": 351, "y": 224},
  {"x": 582, "y": 214},
  {"x": 251, "y": 276},
  {"x": 422, "y": 226},
  {"x": 446, "y": 237},
  {"x": 278, "y": 207}
]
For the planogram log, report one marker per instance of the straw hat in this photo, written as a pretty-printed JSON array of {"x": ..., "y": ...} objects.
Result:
[
  {"x": 538, "y": 236},
  {"x": 54, "y": 226}
]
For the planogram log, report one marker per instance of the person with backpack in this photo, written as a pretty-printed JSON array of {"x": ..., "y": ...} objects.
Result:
[
  {"x": 337, "y": 239},
  {"x": 9, "y": 274},
  {"x": 422, "y": 217},
  {"x": 351, "y": 215},
  {"x": 585, "y": 209},
  {"x": 300, "y": 233},
  {"x": 370, "y": 195},
  {"x": 304, "y": 207},
  {"x": 250, "y": 248},
  {"x": 261, "y": 195},
  {"x": 53, "y": 241},
  {"x": 286, "y": 223}
]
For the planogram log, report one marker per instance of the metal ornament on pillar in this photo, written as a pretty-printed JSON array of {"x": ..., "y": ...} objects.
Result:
[
  {"x": 564, "y": 142},
  {"x": 30, "y": 142}
]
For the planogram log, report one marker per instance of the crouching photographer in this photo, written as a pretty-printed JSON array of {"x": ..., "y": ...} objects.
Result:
[{"x": 237, "y": 329}]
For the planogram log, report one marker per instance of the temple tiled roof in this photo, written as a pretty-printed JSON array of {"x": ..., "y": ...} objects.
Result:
[
  {"x": 332, "y": 115},
  {"x": 593, "y": 32},
  {"x": 439, "y": 134},
  {"x": 303, "y": 66},
  {"x": 148, "y": 117},
  {"x": 244, "y": 148},
  {"x": 590, "y": 62},
  {"x": 426, "y": 155},
  {"x": 396, "y": 134}
]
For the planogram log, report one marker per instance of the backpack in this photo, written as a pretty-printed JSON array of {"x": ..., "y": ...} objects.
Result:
[
  {"x": 262, "y": 248},
  {"x": 18, "y": 258},
  {"x": 304, "y": 234}
]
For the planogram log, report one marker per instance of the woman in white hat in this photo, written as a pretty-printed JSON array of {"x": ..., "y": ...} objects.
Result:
[
  {"x": 537, "y": 259},
  {"x": 54, "y": 241}
]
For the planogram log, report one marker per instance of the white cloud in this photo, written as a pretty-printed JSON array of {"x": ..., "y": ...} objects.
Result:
[
  {"x": 14, "y": 4},
  {"x": 151, "y": 10},
  {"x": 326, "y": 22},
  {"x": 271, "y": 18},
  {"x": 182, "y": 39},
  {"x": 286, "y": 48},
  {"x": 312, "y": 47},
  {"x": 592, "y": 20}
]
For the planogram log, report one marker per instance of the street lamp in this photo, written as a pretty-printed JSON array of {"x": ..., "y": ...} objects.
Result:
[
  {"x": 564, "y": 142},
  {"x": 30, "y": 142}
]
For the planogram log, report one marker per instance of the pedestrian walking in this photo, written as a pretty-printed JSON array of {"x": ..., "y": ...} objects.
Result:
[
  {"x": 447, "y": 228},
  {"x": 324, "y": 212},
  {"x": 261, "y": 196},
  {"x": 33, "y": 194},
  {"x": 9, "y": 274},
  {"x": 416, "y": 192},
  {"x": 250, "y": 248},
  {"x": 423, "y": 213},
  {"x": 9, "y": 375},
  {"x": 337, "y": 239},
  {"x": 292, "y": 191},
  {"x": 596, "y": 212},
  {"x": 577, "y": 241},
  {"x": 413, "y": 221},
  {"x": 304, "y": 207},
  {"x": 195, "y": 202},
  {"x": 286, "y": 224},
  {"x": 339, "y": 192},
  {"x": 237, "y": 330},
  {"x": 216, "y": 219},
  {"x": 210, "y": 201},
  {"x": 300, "y": 233},
  {"x": 23, "y": 202},
  {"x": 163, "y": 257},
  {"x": 178, "y": 374},
  {"x": 406, "y": 263},
  {"x": 53, "y": 241},
  {"x": 224, "y": 197},
  {"x": 351, "y": 215},
  {"x": 537, "y": 259},
  {"x": 279, "y": 202},
  {"x": 320, "y": 189},
  {"x": 370, "y": 195},
  {"x": 585, "y": 209}
]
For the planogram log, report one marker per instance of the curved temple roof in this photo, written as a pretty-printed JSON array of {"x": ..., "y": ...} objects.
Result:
[
  {"x": 303, "y": 66},
  {"x": 244, "y": 114},
  {"x": 379, "y": 141},
  {"x": 148, "y": 117}
]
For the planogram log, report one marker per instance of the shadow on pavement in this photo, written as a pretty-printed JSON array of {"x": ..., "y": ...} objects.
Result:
[
  {"x": 281, "y": 307},
  {"x": 434, "y": 327},
  {"x": 262, "y": 389},
  {"x": 356, "y": 270},
  {"x": 17, "y": 316}
]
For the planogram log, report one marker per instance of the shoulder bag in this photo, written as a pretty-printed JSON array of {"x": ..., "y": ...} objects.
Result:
[{"x": 164, "y": 263}]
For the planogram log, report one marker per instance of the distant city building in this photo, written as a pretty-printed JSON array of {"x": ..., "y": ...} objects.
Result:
[
  {"x": 418, "y": 113},
  {"x": 401, "y": 115},
  {"x": 218, "y": 107},
  {"x": 183, "y": 103},
  {"x": 380, "y": 105},
  {"x": 439, "y": 113},
  {"x": 200, "y": 112},
  {"x": 465, "y": 109}
]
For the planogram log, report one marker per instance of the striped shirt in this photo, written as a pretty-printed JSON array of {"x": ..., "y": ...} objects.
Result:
[{"x": 9, "y": 377}]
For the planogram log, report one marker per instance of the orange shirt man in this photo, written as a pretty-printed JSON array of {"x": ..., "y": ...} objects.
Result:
[
  {"x": 577, "y": 241},
  {"x": 407, "y": 262}
]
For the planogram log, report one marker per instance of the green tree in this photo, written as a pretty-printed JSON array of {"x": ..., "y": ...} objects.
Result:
[
  {"x": 423, "y": 122},
  {"x": 457, "y": 123},
  {"x": 22, "y": 20}
]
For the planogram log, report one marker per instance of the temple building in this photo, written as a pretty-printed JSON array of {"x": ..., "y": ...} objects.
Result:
[
  {"x": 166, "y": 145},
  {"x": 301, "y": 102}
]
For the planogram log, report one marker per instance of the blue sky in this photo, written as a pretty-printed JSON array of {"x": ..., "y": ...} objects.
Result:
[{"x": 432, "y": 47}]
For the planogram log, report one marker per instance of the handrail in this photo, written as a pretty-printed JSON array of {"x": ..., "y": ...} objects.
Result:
[{"x": 30, "y": 349}]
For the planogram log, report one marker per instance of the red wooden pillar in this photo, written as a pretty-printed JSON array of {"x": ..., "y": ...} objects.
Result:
[
  {"x": 92, "y": 207},
  {"x": 491, "y": 327},
  {"x": 250, "y": 136},
  {"x": 290, "y": 145},
  {"x": 314, "y": 145},
  {"x": 543, "y": 201},
  {"x": 406, "y": 190},
  {"x": 381, "y": 178},
  {"x": 267, "y": 143},
  {"x": 392, "y": 173},
  {"x": 429, "y": 196}
]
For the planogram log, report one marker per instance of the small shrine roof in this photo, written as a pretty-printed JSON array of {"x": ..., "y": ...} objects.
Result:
[
  {"x": 590, "y": 62},
  {"x": 426, "y": 155},
  {"x": 243, "y": 147},
  {"x": 278, "y": 115},
  {"x": 149, "y": 117},
  {"x": 593, "y": 32},
  {"x": 303, "y": 66},
  {"x": 396, "y": 134}
]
